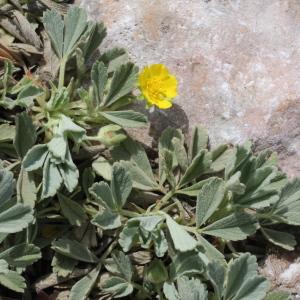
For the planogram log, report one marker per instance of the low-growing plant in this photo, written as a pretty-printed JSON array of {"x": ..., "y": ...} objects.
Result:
[{"x": 84, "y": 207}]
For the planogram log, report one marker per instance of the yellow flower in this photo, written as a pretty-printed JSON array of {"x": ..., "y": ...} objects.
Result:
[{"x": 158, "y": 85}]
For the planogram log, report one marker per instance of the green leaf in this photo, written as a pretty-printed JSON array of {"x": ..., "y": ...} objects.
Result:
[
  {"x": 54, "y": 26},
  {"x": 7, "y": 186},
  {"x": 133, "y": 151},
  {"x": 234, "y": 185},
  {"x": 126, "y": 118},
  {"x": 114, "y": 58},
  {"x": 75, "y": 24},
  {"x": 192, "y": 289},
  {"x": 35, "y": 158},
  {"x": 216, "y": 274},
  {"x": 65, "y": 34},
  {"x": 187, "y": 263},
  {"x": 284, "y": 240},
  {"x": 121, "y": 184},
  {"x": 13, "y": 281},
  {"x": 209, "y": 199},
  {"x": 28, "y": 94},
  {"x": 220, "y": 156},
  {"x": 73, "y": 211},
  {"x": 123, "y": 264},
  {"x": 102, "y": 167},
  {"x": 102, "y": 192},
  {"x": 107, "y": 220},
  {"x": 123, "y": 82},
  {"x": 25, "y": 134},
  {"x": 288, "y": 206},
  {"x": 99, "y": 79},
  {"x": 129, "y": 236},
  {"x": 199, "y": 141},
  {"x": 278, "y": 295},
  {"x": 182, "y": 240},
  {"x": 22, "y": 255},
  {"x": 52, "y": 179},
  {"x": 62, "y": 265},
  {"x": 7, "y": 132},
  {"x": 74, "y": 249},
  {"x": 15, "y": 218},
  {"x": 117, "y": 286},
  {"x": 83, "y": 287},
  {"x": 156, "y": 272},
  {"x": 194, "y": 189},
  {"x": 243, "y": 282},
  {"x": 3, "y": 266},
  {"x": 26, "y": 188},
  {"x": 234, "y": 227},
  {"x": 199, "y": 165}
]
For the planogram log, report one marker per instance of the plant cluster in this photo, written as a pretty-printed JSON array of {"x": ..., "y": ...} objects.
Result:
[{"x": 84, "y": 208}]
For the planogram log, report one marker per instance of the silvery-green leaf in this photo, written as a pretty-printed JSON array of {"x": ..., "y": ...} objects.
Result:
[
  {"x": 182, "y": 240},
  {"x": 69, "y": 175},
  {"x": 170, "y": 291},
  {"x": 133, "y": 151},
  {"x": 102, "y": 193},
  {"x": 7, "y": 186},
  {"x": 187, "y": 263},
  {"x": 73, "y": 211},
  {"x": 121, "y": 184},
  {"x": 180, "y": 153},
  {"x": 117, "y": 286},
  {"x": 278, "y": 295},
  {"x": 129, "y": 236},
  {"x": 234, "y": 227},
  {"x": 68, "y": 128},
  {"x": 13, "y": 281},
  {"x": 15, "y": 218},
  {"x": 148, "y": 223},
  {"x": 126, "y": 118},
  {"x": 25, "y": 134},
  {"x": 99, "y": 78},
  {"x": 199, "y": 141},
  {"x": 199, "y": 165},
  {"x": 63, "y": 265},
  {"x": 3, "y": 266},
  {"x": 27, "y": 95},
  {"x": 210, "y": 251},
  {"x": 107, "y": 220},
  {"x": 102, "y": 167},
  {"x": 216, "y": 274},
  {"x": 209, "y": 199},
  {"x": 123, "y": 82},
  {"x": 123, "y": 264},
  {"x": 192, "y": 289},
  {"x": 83, "y": 287},
  {"x": 54, "y": 26},
  {"x": 156, "y": 272},
  {"x": 22, "y": 255},
  {"x": 35, "y": 157},
  {"x": 284, "y": 240},
  {"x": 139, "y": 179},
  {"x": 220, "y": 157},
  {"x": 52, "y": 179},
  {"x": 26, "y": 188},
  {"x": 194, "y": 189},
  {"x": 7, "y": 132},
  {"x": 288, "y": 206},
  {"x": 75, "y": 24},
  {"x": 160, "y": 243},
  {"x": 242, "y": 279},
  {"x": 114, "y": 58},
  {"x": 234, "y": 185},
  {"x": 74, "y": 249}
]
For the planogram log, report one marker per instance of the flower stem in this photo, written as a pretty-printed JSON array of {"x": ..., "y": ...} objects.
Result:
[{"x": 62, "y": 70}]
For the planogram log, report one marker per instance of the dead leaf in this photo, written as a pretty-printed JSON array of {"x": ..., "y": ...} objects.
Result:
[
  {"x": 6, "y": 52},
  {"x": 61, "y": 8}
]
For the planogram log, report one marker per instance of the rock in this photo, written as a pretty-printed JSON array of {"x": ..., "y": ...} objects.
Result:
[{"x": 238, "y": 63}]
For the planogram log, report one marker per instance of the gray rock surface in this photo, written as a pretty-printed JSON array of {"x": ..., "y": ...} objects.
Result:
[{"x": 237, "y": 61}]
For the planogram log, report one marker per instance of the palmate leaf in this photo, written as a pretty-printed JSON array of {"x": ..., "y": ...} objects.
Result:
[
  {"x": 209, "y": 199},
  {"x": 63, "y": 265},
  {"x": 282, "y": 239},
  {"x": 74, "y": 249},
  {"x": 99, "y": 79},
  {"x": 199, "y": 141},
  {"x": 107, "y": 220},
  {"x": 13, "y": 281},
  {"x": 216, "y": 274},
  {"x": 126, "y": 118},
  {"x": 123, "y": 82},
  {"x": 22, "y": 255},
  {"x": 243, "y": 282},
  {"x": 117, "y": 287},
  {"x": 65, "y": 34},
  {"x": 83, "y": 287},
  {"x": 234, "y": 227}
]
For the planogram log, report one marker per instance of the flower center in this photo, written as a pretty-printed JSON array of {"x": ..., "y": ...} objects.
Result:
[{"x": 154, "y": 88}]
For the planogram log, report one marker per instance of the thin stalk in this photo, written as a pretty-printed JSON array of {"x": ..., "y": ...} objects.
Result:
[
  {"x": 62, "y": 70},
  {"x": 164, "y": 200},
  {"x": 130, "y": 214}
]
